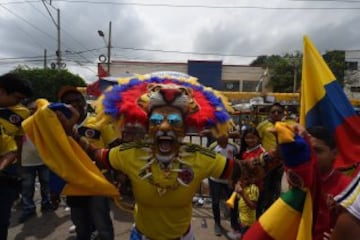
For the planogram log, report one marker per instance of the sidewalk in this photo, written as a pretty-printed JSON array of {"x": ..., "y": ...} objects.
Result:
[{"x": 55, "y": 225}]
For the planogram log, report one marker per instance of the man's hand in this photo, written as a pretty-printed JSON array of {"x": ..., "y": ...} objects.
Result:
[
  {"x": 327, "y": 235},
  {"x": 68, "y": 123}
]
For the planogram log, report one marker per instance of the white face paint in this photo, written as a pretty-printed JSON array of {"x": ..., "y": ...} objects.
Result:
[{"x": 166, "y": 130}]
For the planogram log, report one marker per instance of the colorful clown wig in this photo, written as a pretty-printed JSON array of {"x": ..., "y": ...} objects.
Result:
[{"x": 131, "y": 101}]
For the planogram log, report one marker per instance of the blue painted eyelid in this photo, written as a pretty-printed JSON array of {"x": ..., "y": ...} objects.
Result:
[
  {"x": 174, "y": 118},
  {"x": 156, "y": 118}
]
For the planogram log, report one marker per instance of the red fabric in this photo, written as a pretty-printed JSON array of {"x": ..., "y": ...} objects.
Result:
[
  {"x": 228, "y": 169},
  {"x": 101, "y": 72},
  {"x": 94, "y": 89},
  {"x": 349, "y": 145},
  {"x": 330, "y": 185},
  {"x": 256, "y": 232},
  {"x": 250, "y": 154}
]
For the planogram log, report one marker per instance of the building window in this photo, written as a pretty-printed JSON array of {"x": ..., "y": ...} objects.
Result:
[
  {"x": 355, "y": 89},
  {"x": 231, "y": 86},
  {"x": 353, "y": 66},
  {"x": 249, "y": 86}
]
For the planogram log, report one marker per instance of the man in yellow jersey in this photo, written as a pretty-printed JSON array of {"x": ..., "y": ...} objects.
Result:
[
  {"x": 272, "y": 181},
  {"x": 165, "y": 173},
  {"x": 89, "y": 212},
  {"x": 13, "y": 89}
]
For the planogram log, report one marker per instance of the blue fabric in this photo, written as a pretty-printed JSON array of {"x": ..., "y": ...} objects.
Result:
[
  {"x": 135, "y": 235},
  {"x": 330, "y": 111},
  {"x": 295, "y": 153},
  {"x": 28, "y": 186}
]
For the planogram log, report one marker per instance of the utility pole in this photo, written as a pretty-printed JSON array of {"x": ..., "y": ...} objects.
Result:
[
  {"x": 58, "y": 52},
  {"x": 57, "y": 24},
  {"x": 45, "y": 59},
  {"x": 109, "y": 49},
  {"x": 295, "y": 77},
  {"x": 108, "y": 46}
]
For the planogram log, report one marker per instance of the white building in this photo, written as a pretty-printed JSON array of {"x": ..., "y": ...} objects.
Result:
[
  {"x": 352, "y": 74},
  {"x": 231, "y": 77}
]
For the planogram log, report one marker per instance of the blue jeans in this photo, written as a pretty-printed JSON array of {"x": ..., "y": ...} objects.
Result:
[
  {"x": 217, "y": 191},
  {"x": 8, "y": 194},
  {"x": 89, "y": 214},
  {"x": 28, "y": 186}
]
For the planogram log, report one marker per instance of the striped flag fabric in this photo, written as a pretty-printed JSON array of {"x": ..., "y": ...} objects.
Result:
[
  {"x": 323, "y": 102},
  {"x": 288, "y": 218}
]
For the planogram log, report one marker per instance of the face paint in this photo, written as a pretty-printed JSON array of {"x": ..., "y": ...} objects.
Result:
[{"x": 166, "y": 129}]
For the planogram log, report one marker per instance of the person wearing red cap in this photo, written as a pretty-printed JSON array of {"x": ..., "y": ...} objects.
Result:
[{"x": 89, "y": 213}]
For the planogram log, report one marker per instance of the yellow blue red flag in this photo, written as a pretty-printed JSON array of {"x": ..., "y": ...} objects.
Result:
[{"x": 323, "y": 102}]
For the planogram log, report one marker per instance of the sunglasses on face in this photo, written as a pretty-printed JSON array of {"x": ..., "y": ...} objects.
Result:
[
  {"x": 173, "y": 119},
  {"x": 277, "y": 111}
]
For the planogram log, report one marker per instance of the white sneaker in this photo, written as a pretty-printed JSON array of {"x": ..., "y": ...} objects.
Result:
[
  {"x": 234, "y": 235},
  {"x": 72, "y": 229},
  {"x": 200, "y": 201}
]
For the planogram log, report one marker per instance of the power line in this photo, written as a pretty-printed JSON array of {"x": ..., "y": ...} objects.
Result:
[
  {"x": 201, "y": 6},
  {"x": 185, "y": 52},
  {"x": 206, "y": 6},
  {"x": 26, "y": 21}
]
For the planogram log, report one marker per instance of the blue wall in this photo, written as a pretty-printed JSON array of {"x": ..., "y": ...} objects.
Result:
[{"x": 208, "y": 72}]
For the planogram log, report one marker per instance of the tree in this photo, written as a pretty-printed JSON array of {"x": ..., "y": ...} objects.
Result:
[
  {"x": 47, "y": 82},
  {"x": 336, "y": 62},
  {"x": 284, "y": 71}
]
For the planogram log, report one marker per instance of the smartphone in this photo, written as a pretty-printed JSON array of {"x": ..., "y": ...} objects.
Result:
[{"x": 62, "y": 108}]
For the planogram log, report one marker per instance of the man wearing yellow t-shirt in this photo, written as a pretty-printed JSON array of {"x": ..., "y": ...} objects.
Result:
[
  {"x": 13, "y": 89},
  {"x": 272, "y": 181},
  {"x": 165, "y": 173}
]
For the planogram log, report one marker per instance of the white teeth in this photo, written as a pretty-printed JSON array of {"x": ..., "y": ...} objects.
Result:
[{"x": 166, "y": 138}]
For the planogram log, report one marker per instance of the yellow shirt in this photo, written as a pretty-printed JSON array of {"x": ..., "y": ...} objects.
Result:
[
  {"x": 7, "y": 144},
  {"x": 99, "y": 136},
  {"x": 246, "y": 214},
  {"x": 268, "y": 139},
  {"x": 164, "y": 207},
  {"x": 11, "y": 118}
]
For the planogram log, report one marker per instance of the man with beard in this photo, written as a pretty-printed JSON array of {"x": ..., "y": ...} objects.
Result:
[{"x": 165, "y": 173}]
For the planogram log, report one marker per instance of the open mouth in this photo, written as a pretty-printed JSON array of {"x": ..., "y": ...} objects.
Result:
[{"x": 165, "y": 144}]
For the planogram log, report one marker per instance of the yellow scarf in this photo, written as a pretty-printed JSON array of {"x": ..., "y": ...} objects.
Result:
[{"x": 64, "y": 156}]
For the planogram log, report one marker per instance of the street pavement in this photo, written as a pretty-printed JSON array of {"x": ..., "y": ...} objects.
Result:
[{"x": 55, "y": 225}]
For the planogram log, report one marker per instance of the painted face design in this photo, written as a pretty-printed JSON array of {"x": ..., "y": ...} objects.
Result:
[{"x": 166, "y": 130}]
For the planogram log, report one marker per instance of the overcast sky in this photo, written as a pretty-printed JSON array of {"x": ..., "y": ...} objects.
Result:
[{"x": 234, "y": 31}]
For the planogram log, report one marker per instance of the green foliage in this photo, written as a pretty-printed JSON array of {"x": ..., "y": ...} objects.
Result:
[
  {"x": 336, "y": 62},
  {"x": 47, "y": 82},
  {"x": 285, "y": 70}
]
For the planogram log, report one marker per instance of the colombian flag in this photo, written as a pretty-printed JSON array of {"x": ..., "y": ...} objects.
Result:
[
  {"x": 65, "y": 157},
  {"x": 323, "y": 102},
  {"x": 291, "y": 216}
]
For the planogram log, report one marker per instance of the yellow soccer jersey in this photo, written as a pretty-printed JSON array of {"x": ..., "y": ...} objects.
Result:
[
  {"x": 248, "y": 215},
  {"x": 164, "y": 205},
  {"x": 7, "y": 144},
  {"x": 11, "y": 118},
  {"x": 99, "y": 136},
  {"x": 268, "y": 139}
]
